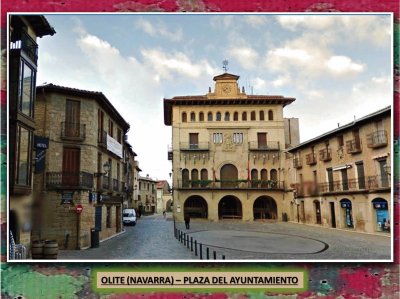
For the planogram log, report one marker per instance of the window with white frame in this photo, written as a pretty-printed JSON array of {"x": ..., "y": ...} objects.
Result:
[
  {"x": 217, "y": 138},
  {"x": 237, "y": 138}
]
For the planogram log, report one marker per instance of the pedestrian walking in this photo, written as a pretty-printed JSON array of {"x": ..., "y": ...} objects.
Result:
[
  {"x": 164, "y": 213},
  {"x": 187, "y": 221}
]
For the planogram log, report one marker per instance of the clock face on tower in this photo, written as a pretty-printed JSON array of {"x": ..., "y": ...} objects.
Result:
[{"x": 226, "y": 88}]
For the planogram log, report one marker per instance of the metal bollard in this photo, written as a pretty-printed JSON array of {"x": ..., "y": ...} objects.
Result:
[
  {"x": 208, "y": 253},
  {"x": 195, "y": 247},
  {"x": 181, "y": 237},
  {"x": 187, "y": 241},
  {"x": 184, "y": 239},
  {"x": 215, "y": 255},
  {"x": 191, "y": 243},
  {"x": 223, "y": 257},
  {"x": 201, "y": 251}
]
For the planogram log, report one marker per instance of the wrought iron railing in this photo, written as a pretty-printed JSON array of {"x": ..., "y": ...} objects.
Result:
[
  {"x": 74, "y": 131},
  {"x": 102, "y": 138},
  {"x": 325, "y": 154},
  {"x": 115, "y": 185},
  {"x": 237, "y": 184},
  {"x": 343, "y": 185},
  {"x": 377, "y": 139},
  {"x": 199, "y": 146},
  {"x": 379, "y": 181},
  {"x": 353, "y": 146},
  {"x": 80, "y": 180},
  {"x": 310, "y": 159},
  {"x": 25, "y": 43},
  {"x": 297, "y": 162},
  {"x": 267, "y": 146}
]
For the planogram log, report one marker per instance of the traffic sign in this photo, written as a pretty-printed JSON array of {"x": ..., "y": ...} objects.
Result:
[{"x": 79, "y": 209}]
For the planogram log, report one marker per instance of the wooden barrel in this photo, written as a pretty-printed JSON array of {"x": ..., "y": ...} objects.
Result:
[
  {"x": 37, "y": 249},
  {"x": 50, "y": 250}
]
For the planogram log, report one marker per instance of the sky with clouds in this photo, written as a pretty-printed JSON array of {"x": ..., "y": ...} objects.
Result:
[{"x": 336, "y": 66}]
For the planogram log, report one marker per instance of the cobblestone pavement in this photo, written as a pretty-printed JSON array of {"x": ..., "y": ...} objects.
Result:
[
  {"x": 153, "y": 239},
  {"x": 286, "y": 241}
]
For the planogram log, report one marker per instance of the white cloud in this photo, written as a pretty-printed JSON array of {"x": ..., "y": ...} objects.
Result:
[
  {"x": 246, "y": 56},
  {"x": 281, "y": 80},
  {"x": 258, "y": 83},
  {"x": 341, "y": 65},
  {"x": 177, "y": 63},
  {"x": 159, "y": 29},
  {"x": 223, "y": 21},
  {"x": 255, "y": 21}
]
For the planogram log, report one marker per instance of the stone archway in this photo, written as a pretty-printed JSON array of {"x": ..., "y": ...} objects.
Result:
[
  {"x": 230, "y": 207},
  {"x": 264, "y": 207},
  {"x": 196, "y": 207}
]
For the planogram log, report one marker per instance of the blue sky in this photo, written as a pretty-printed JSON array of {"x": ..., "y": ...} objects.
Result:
[{"x": 336, "y": 66}]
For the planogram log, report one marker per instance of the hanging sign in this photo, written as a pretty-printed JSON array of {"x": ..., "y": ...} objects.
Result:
[{"x": 67, "y": 197}]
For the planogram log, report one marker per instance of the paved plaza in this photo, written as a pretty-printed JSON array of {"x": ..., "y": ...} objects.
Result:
[{"x": 153, "y": 239}]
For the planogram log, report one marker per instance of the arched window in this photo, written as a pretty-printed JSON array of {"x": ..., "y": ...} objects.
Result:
[
  {"x": 253, "y": 115},
  {"x": 227, "y": 116},
  {"x": 228, "y": 176},
  {"x": 195, "y": 178},
  {"x": 218, "y": 117},
  {"x": 270, "y": 115},
  {"x": 235, "y": 116},
  {"x": 209, "y": 116},
  {"x": 273, "y": 175},
  {"x": 185, "y": 178},
  {"x": 204, "y": 177},
  {"x": 201, "y": 116},
  {"x": 184, "y": 117},
  {"x": 192, "y": 116},
  {"x": 244, "y": 116},
  {"x": 261, "y": 115},
  {"x": 264, "y": 178},
  {"x": 254, "y": 178}
]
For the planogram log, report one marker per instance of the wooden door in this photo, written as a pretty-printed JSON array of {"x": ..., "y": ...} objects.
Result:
[
  {"x": 193, "y": 140},
  {"x": 262, "y": 140},
  {"x": 72, "y": 118},
  {"x": 70, "y": 166}
]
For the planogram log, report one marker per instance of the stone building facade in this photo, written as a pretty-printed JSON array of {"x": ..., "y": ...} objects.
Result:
[
  {"x": 84, "y": 168},
  {"x": 147, "y": 195},
  {"x": 164, "y": 197},
  {"x": 22, "y": 65},
  {"x": 227, "y": 153},
  {"x": 342, "y": 178}
]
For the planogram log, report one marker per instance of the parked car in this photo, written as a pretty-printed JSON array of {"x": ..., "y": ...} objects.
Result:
[{"x": 129, "y": 217}]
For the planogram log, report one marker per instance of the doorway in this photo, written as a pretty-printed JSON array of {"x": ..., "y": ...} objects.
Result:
[
  {"x": 317, "y": 207},
  {"x": 333, "y": 216}
]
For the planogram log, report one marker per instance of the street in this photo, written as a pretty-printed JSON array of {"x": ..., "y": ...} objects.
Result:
[{"x": 153, "y": 239}]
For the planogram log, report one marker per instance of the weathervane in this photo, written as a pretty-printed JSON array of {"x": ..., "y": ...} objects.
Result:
[{"x": 225, "y": 65}]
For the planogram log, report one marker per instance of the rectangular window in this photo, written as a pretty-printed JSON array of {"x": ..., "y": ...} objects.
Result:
[
  {"x": 26, "y": 92},
  {"x": 360, "y": 174},
  {"x": 110, "y": 127},
  {"x": 193, "y": 140},
  {"x": 72, "y": 118},
  {"x": 262, "y": 140},
  {"x": 237, "y": 138},
  {"x": 217, "y": 138},
  {"x": 23, "y": 157},
  {"x": 119, "y": 135},
  {"x": 340, "y": 140}
]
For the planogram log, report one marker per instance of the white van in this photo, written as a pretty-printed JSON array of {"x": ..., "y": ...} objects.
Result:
[{"x": 129, "y": 217}]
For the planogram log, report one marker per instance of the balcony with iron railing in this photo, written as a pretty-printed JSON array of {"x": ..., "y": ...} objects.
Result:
[
  {"x": 200, "y": 146},
  {"x": 377, "y": 139},
  {"x": 379, "y": 182},
  {"x": 343, "y": 185},
  {"x": 267, "y": 146},
  {"x": 310, "y": 159},
  {"x": 297, "y": 162},
  {"x": 325, "y": 155},
  {"x": 231, "y": 184},
  {"x": 102, "y": 138},
  {"x": 73, "y": 131},
  {"x": 69, "y": 180},
  {"x": 22, "y": 41},
  {"x": 353, "y": 146}
]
